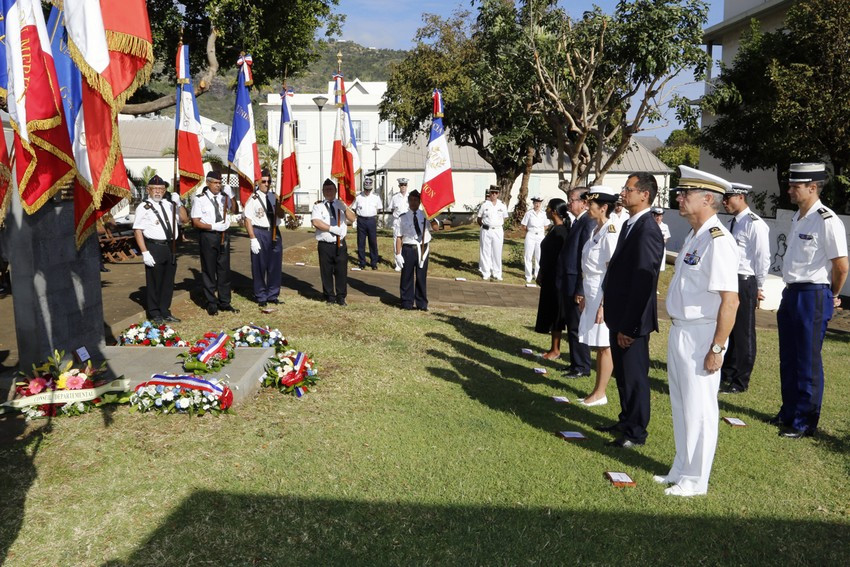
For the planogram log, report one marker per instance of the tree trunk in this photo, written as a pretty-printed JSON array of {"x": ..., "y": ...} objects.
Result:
[{"x": 522, "y": 198}]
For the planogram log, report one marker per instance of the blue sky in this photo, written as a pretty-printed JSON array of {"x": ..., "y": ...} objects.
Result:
[{"x": 393, "y": 24}]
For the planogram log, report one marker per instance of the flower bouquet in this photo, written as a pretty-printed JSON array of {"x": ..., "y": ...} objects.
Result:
[
  {"x": 254, "y": 336},
  {"x": 208, "y": 354},
  {"x": 291, "y": 372},
  {"x": 165, "y": 393},
  {"x": 57, "y": 388},
  {"x": 148, "y": 334}
]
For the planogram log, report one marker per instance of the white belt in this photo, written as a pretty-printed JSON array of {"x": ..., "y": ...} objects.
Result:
[{"x": 692, "y": 322}]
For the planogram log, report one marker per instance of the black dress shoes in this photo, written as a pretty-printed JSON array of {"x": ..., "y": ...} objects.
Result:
[
  {"x": 731, "y": 389},
  {"x": 623, "y": 443},
  {"x": 212, "y": 309},
  {"x": 790, "y": 433},
  {"x": 228, "y": 308},
  {"x": 342, "y": 303},
  {"x": 775, "y": 421},
  {"x": 275, "y": 301},
  {"x": 608, "y": 428},
  {"x": 171, "y": 318},
  {"x": 262, "y": 303},
  {"x": 572, "y": 373}
]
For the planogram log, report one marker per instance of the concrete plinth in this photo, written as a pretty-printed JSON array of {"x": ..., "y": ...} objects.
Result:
[
  {"x": 137, "y": 364},
  {"x": 57, "y": 298}
]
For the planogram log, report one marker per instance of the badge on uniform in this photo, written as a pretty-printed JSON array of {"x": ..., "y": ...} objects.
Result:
[
  {"x": 612, "y": 228},
  {"x": 805, "y": 236},
  {"x": 824, "y": 212},
  {"x": 691, "y": 258},
  {"x": 715, "y": 231}
]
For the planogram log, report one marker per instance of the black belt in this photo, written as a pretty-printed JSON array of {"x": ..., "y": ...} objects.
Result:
[
  {"x": 261, "y": 228},
  {"x": 485, "y": 227},
  {"x": 807, "y": 286},
  {"x": 743, "y": 278},
  {"x": 158, "y": 242},
  {"x": 364, "y": 217},
  {"x": 409, "y": 246}
]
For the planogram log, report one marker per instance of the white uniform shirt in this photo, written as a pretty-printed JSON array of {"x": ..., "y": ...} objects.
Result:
[
  {"x": 535, "y": 222},
  {"x": 753, "y": 237},
  {"x": 599, "y": 248},
  {"x": 204, "y": 209},
  {"x": 366, "y": 205},
  {"x": 405, "y": 228},
  {"x": 398, "y": 204},
  {"x": 814, "y": 241},
  {"x": 146, "y": 219},
  {"x": 707, "y": 264},
  {"x": 665, "y": 231},
  {"x": 621, "y": 218},
  {"x": 321, "y": 212},
  {"x": 493, "y": 215},
  {"x": 255, "y": 211}
]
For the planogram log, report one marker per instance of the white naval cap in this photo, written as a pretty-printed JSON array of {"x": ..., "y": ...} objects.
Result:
[
  {"x": 691, "y": 178},
  {"x": 656, "y": 211},
  {"x": 602, "y": 194},
  {"x": 402, "y": 180},
  {"x": 806, "y": 172},
  {"x": 739, "y": 189}
]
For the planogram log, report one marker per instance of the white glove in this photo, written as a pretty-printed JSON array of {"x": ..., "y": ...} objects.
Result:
[
  {"x": 220, "y": 226},
  {"x": 336, "y": 231},
  {"x": 255, "y": 246},
  {"x": 399, "y": 259},
  {"x": 148, "y": 258}
]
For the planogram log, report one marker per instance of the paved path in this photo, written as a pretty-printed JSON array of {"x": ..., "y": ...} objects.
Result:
[{"x": 123, "y": 291}]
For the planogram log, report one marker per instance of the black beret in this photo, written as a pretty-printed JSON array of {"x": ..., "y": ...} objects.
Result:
[
  {"x": 157, "y": 180},
  {"x": 214, "y": 175}
]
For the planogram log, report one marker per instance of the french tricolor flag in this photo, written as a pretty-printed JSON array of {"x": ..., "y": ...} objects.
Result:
[
  {"x": 214, "y": 347},
  {"x": 242, "y": 153},
  {"x": 287, "y": 165},
  {"x": 437, "y": 188},
  {"x": 345, "y": 161},
  {"x": 190, "y": 143}
]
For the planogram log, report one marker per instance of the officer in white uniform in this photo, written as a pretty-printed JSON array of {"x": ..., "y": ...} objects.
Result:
[
  {"x": 156, "y": 228},
  {"x": 658, "y": 215},
  {"x": 814, "y": 270},
  {"x": 620, "y": 215},
  {"x": 366, "y": 206},
  {"x": 534, "y": 222},
  {"x": 701, "y": 301},
  {"x": 260, "y": 215},
  {"x": 491, "y": 218},
  {"x": 330, "y": 218},
  {"x": 398, "y": 205},
  {"x": 752, "y": 236},
  {"x": 209, "y": 216},
  {"x": 412, "y": 246}
]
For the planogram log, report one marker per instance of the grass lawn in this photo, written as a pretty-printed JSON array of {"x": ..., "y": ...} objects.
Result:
[{"x": 429, "y": 441}]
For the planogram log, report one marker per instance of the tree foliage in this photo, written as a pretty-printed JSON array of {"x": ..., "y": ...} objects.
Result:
[
  {"x": 481, "y": 64},
  {"x": 786, "y": 97},
  {"x": 679, "y": 149},
  {"x": 606, "y": 77},
  {"x": 281, "y": 36}
]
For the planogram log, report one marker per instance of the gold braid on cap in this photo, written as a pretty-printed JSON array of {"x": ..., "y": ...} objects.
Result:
[{"x": 704, "y": 184}]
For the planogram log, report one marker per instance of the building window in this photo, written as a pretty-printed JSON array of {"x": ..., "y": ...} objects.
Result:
[{"x": 394, "y": 134}]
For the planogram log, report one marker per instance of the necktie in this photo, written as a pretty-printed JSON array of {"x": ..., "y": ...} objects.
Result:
[
  {"x": 628, "y": 229},
  {"x": 166, "y": 225},
  {"x": 331, "y": 210},
  {"x": 214, "y": 199},
  {"x": 416, "y": 226},
  {"x": 270, "y": 207},
  {"x": 732, "y": 224}
]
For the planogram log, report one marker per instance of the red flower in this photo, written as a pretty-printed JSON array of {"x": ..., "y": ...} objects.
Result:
[
  {"x": 146, "y": 342},
  {"x": 88, "y": 384},
  {"x": 226, "y": 398},
  {"x": 292, "y": 378}
]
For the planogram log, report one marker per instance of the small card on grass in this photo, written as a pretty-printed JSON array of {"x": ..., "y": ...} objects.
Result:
[
  {"x": 300, "y": 264},
  {"x": 561, "y": 399},
  {"x": 267, "y": 310},
  {"x": 460, "y": 279},
  {"x": 526, "y": 351},
  {"x": 540, "y": 371},
  {"x": 82, "y": 354},
  {"x": 619, "y": 478},
  {"x": 571, "y": 435},
  {"x": 356, "y": 269},
  {"x": 734, "y": 422},
  {"x": 530, "y": 285}
]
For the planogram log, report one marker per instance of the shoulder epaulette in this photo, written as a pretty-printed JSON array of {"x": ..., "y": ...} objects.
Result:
[
  {"x": 256, "y": 196},
  {"x": 754, "y": 217},
  {"x": 715, "y": 231},
  {"x": 612, "y": 228},
  {"x": 825, "y": 213},
  {"x": 148, "y": 205},
  {"x": 319, "y": 202}
]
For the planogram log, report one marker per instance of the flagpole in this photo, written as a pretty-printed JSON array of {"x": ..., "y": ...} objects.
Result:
[{"x": 176, "y": 179}]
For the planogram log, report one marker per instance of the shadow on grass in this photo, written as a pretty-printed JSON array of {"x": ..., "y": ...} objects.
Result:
[
  {"x": 454, "y": 263},
  {"x": 498, "y": 385},
  {"x": 370, "y": 290},
  {"x": 224, "y": 528}
]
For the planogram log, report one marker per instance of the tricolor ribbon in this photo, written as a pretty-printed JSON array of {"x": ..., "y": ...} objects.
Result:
[
  {"x": 216, "y": 346},
  {"x": 245, "y": 62},
  {"x": 188, "y": 382}
]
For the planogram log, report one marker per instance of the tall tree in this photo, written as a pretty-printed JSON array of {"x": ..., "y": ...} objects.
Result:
[
  {"x": 607, "y": 77},
  {"x": 786, "y": 97},
  {"x": 491, "y": 102},
  {"x": 281, "y": 36}
]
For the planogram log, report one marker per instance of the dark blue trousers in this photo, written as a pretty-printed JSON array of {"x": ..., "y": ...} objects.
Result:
[
  {"x": 215, "y": 267},
  {"x": 266, "y": 266},
  {"x": 741, "y": 354},
  {"x": 631, "y": 370},
  {"x": 803, "y": 315},
  {"x": 367, "y": 227},
  {"x": 412, "y": 285}
]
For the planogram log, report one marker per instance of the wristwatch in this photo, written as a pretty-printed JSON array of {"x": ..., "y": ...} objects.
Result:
[{"x": 717, "y": 349}]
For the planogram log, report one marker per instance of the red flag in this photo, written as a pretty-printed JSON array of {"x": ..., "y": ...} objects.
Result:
[
  {"x": 437, "y": 188},
  {"x": 287, "y": 166},
  {"x": 188, "y": 121}
]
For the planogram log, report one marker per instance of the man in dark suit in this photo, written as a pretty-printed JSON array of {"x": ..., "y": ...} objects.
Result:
[
  {"x": 571, "y": 286},
  {"x": 631, "y": 311}
]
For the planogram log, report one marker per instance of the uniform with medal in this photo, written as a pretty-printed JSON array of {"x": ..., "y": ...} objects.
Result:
[
  {"x": 266, "y": 244},
  {"x": 814, "y": 270},
  {"x": 701, "y": 301},
  {"x": 156, "y": 226},
  {"x": 330, "y": 217},
  {"x": 413, "y": 237}
]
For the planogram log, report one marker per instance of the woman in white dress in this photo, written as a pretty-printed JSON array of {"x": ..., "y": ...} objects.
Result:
[
  {"x": 595, "y": 256},
  {"x": 534, "y": 223}
]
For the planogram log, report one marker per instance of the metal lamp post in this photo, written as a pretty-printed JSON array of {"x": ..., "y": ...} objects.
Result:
[
  {"x": 375, "y": 149},
  {"x": 320, "y": 102}
]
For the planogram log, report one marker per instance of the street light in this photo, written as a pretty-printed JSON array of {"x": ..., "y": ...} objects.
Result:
[
  {"x": 375, "y": 149},
  {"x": 320, "y": 102}
]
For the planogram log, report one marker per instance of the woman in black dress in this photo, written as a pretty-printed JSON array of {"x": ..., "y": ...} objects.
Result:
[{"x": 549, "y": 318}]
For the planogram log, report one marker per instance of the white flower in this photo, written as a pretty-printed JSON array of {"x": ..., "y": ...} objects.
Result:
[
  {"x": 206, "y": 406},
  {"x": 168, "y": 395},
  {"x": 81, "y": 406}
]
